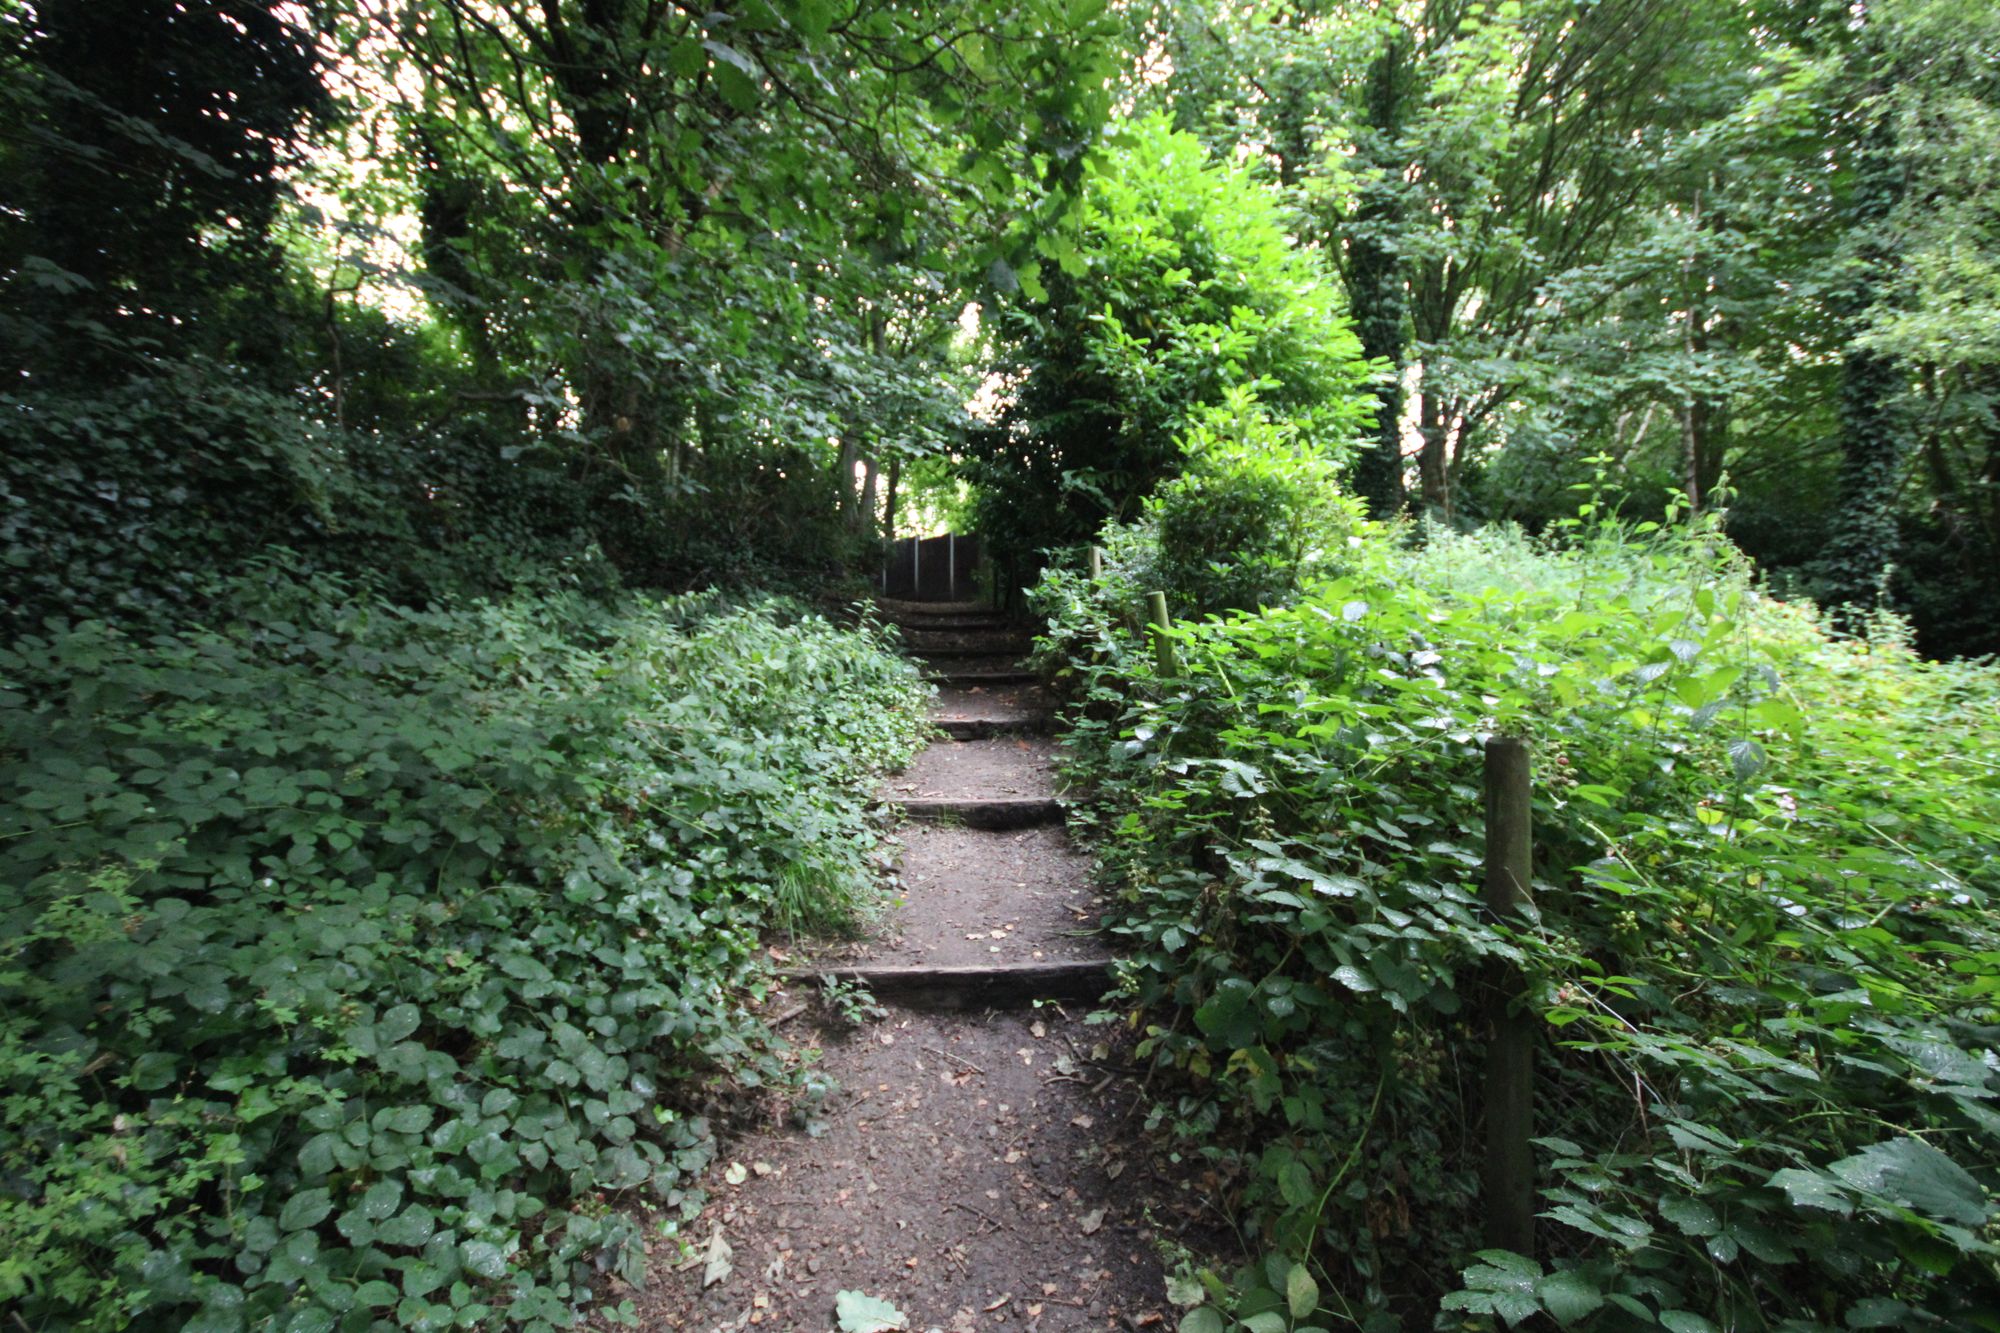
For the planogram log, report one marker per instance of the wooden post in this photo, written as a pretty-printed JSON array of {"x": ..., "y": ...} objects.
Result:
[
  {"x": 1097, "y": 564},
  {"x": 1510, "y": 1049},
  {"x": 1165, "y": 661}
]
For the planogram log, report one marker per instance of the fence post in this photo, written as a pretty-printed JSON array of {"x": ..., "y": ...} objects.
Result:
[
  {"x": 1096, "y": 564},
  {"x": 1510, "y": 1050},
  {"x": 1164, "y": 658}
]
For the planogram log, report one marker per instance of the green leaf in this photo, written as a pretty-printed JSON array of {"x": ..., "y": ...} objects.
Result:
[
  {"x": 1354, "y": 978},
  {"x": 412, "y": 1227},
  {"x": 1301, "y": 1292},
  {"x": 1295, "y": 1184},
  {"x": 402, "y": 1120},
  {"x": 1568, "y": 1296},
  {"x": 307, "y": 1208},
  {"x": 396, "y": 1024},
  {"x": 483, "y": 1258},
  {"x": 737, "y": 77},
  {"x": 1693, "y": 1216},
  {"x": 1201, "y": 1319},
  {"x": 1685, "y": 1321},
  {"x": 1909, "y": 1172},
  {"x": 1810, "y": 1189}
]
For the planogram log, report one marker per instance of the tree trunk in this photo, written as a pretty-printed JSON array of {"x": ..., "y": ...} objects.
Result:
[
  {"x": 1433, "y": 464},
  {"x": 889, "y": 501},
  {"x": 1863, "y": 541},
  {"x": 1375, "y": 282},
  {"x": 864, "y": 513}
]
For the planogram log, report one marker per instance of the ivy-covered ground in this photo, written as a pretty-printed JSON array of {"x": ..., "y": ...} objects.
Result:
[
  {"x": 1763, "y": 953},
  {"x": 360, "y": 957}
]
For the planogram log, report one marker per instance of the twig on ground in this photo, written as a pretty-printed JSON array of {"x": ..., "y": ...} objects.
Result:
[
  {"x": 984, "y": 1217},
  {"x": 947, "y": 1055}
]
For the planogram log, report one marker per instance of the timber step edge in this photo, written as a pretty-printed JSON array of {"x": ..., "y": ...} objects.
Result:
[
  {"x": 955, "y": 987},
  {"x": 957, "y": 624},
  {"x": 992, "y": 814},
  {"x": 995, "y": 676},
  {"x": 936, "y": 656},
  {"x": 987, "y": 728},
  {"x": 990, "y": 642}
]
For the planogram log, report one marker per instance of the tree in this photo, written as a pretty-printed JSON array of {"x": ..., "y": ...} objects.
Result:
[
  {"x": 736, "y": 240},
  {"x": 1177, "y": 285},
  {"x": 142, "y": 167}
]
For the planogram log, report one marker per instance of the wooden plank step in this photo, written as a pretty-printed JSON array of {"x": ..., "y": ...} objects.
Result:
[
  {"x": 956, "y": 624},
  {"x": 896, "y": 606},
  {"x": 956, "y": 653},
  {"x": 977, "y": 635},
  {"x": 985, "y": 728},
  {"x": 1010, "y": 812},
  {"x": 971, "y": 676},
  {"x": 997, "y": 983}
]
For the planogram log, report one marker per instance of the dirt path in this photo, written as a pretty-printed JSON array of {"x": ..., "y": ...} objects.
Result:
[{"x": 972, "y": 1168}]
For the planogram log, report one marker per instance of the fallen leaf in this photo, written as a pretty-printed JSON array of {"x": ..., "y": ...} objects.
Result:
[
  {"x": 1083, "y": 1121},
  {"x": 862, "y": 1313},
  {"x": 997, "y": 1304},
  {"x": 1114, "y": 1170},
  {"x": 737, "y": 1173},
  {"x": 1039, "y": 1028},
  {"x": 1090, "y": 1222},
  {"x": 716, "y": 1265},
  {"x": 761, "y": 1168}
]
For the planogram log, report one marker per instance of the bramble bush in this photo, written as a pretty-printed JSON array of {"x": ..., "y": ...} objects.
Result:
[
  {"x": 363, "y": 962},
  {"x": 1762, "y": 944}
]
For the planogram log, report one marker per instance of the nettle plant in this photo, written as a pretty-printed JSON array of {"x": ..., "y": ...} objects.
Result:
[
  {"x": 362, "y": 962},
  {"x": 1761, "y": 942}
]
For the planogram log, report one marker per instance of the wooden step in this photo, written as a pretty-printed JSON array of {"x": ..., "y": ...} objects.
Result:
[
  {"x": 949, "y": 636},
  {"x": 965, "y": 679},
  {"x": 1008, "y": 812},
  {"x": 986, "y": 728},
  {"x": 954, "y": 655},
  {"x": 956, "y": 624},
  {"x": 904, "y": 606},
  {"x": 959, "y": 987}
]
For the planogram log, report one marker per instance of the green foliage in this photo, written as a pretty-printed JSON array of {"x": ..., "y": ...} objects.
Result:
[
  {"x": 1178, "y": 285},
  {"x": 129, "y": 499},
  {"x": 1762, "y": 945},
  {"x": 142, "y": 175},
  {"x": 362, "y": 959},
  {"x": 1252, "y": 518}
]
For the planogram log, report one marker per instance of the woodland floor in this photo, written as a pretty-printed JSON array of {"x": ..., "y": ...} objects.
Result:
[{"x": 977, "y": 1168}]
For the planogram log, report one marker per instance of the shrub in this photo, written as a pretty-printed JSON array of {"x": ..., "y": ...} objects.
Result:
[
  {"x": 1254, "y": 516},
  {"x": 1179, "y": 289},
  {"x": 361, "y": 960},
  {"x": 1763, "y": 951}
]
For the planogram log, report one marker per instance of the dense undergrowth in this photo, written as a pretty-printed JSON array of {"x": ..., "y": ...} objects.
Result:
[
  {"x": 363, "y": 961},
  {"x": 1762, "y": 948}
]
